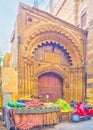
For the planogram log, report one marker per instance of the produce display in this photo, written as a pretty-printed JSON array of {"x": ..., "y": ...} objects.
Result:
[
  {"x": 34, "y": 104},
  {"x": 65, "y": 107},
  {"x": 36, "y": 110},
  {"x": 16, "y": 104},
  {"x": 33, "y": 113},
  {"x": 25, "y": 99},
  {"x": 30, "y": 112},
  {"x": 49, "y": 104},
  {"x": 36, "y": 107},
  {"x": 40, "y": 107}
]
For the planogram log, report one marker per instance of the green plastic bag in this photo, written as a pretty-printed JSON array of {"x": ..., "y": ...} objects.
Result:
[{"x": 16, "y": 104}]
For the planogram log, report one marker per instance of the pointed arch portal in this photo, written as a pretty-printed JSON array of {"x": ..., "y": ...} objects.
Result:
[
  {"x": 51, "y": 56},
  {"x": 50, "y": 84}
]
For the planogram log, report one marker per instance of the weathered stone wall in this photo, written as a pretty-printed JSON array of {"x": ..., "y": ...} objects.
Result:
[
  {"x": 14, "y": 47},
  {"x": 67, "y": 11},
  {"x": 35, "y": 29},
  {"x": 9, "y": 80},
  {"x": 86, "y": 5},
  {"x": 39, "y": 29},
  {"x": 6, "y": 61},
  {"x": 72, "y": 12}
]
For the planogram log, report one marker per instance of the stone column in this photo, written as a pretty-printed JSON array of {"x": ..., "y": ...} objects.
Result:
[
  {"x": 25, "y": 78},
  {"x": 32, "y": 78},
  {"x": 71, "y": 83},
  {"x": 80, "y": 85},
  {"x": 29, "y": 79}
]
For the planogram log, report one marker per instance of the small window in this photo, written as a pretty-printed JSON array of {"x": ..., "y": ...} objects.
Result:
[{"x": 83, "y": 20}]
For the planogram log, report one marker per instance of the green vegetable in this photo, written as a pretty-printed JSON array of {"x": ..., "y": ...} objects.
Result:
[
  {"x": 65, "y": 107},
  {"x": 16, "y": 104}
]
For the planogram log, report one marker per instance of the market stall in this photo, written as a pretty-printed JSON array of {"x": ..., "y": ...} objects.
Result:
[
  {"x": 30, "y": 114},
  {"x": 27, "y": 114},
  {"x": 28, "y": 118}
]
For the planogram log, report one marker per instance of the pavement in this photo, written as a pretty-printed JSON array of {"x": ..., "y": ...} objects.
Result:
[
  {"x": 83, "y": 125},
  {"x": 2, "y": 127}
]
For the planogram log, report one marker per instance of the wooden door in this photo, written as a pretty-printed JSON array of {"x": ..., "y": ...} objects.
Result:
[{"x": 50, "y": 84}]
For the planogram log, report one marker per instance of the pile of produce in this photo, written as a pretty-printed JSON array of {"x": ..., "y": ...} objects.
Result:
[
  {"x": 65, "y": 107},
  {"x": 34, "y": 104},
  {"x": 37, "y": 106},
  {"x": 16, "y": 104},
  {"x": 47, "y": 104},
  {"x": 25, "y": 99},
  {"x": 36, "y": 110}
]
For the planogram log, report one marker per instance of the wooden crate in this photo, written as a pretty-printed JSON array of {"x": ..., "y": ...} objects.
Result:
[
  {"x": 65, "y": 116},
  {"x": 51, "y": 118}
]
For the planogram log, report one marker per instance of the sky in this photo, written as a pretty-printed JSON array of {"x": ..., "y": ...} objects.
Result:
[{"x": 8, "y": 13}]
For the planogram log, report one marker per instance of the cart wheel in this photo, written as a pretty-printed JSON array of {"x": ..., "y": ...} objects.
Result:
[
  {"x": 75, "y": 118},
  {"x": 89, "y": 118},
  {"x": 12, "y": 128}
]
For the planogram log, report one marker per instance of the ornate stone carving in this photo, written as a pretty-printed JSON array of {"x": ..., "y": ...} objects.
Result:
[{"x": 40, "y": 35}]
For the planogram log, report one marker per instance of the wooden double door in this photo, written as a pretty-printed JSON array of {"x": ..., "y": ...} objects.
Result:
[{"x": 50, "y": 84}]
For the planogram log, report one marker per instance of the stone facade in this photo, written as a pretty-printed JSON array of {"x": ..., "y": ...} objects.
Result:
[
  {"x": 10, "y": 80},
  {"x": 80, "y": 12},
  {"x": 42, "y": 43}
]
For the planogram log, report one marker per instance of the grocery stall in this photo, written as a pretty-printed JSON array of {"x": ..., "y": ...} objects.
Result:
[
  {"x": 28, "y": 113},
  {"x": 31, "y": 113}
]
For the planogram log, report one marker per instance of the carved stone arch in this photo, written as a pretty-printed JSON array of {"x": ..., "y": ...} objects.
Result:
[
  {"x": 65, "y": 49},
  {"x": 32, "y": 32},
  {"x": 59, "y": 39},
  {"x": 37, "y": 59},
  {"x": 54, "y": 69},
  {"x": 34, "y": 40}
]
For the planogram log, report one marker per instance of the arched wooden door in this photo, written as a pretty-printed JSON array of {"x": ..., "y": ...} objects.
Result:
[{"x": 50, "y": 84}]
